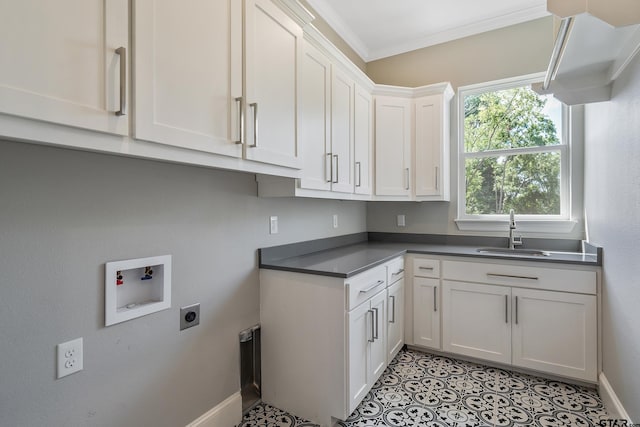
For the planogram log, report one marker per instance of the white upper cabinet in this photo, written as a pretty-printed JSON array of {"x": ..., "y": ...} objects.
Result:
[
  {"x": 188, "y": 74},
  {"x": 393, "y": 146},
  {"x": 273, "y": 58},
  {"x": 315, "y": 119},
  {"x": 189, "y": 68},
  {"x": 412, "y": 142},
  {"x": 432, "y": 147},
  {"x": 335, "y": 122},
  {"x": 342, "y": 95},
  {"x": 66, "y": 62},
  {"x": 363, "y": 141}
]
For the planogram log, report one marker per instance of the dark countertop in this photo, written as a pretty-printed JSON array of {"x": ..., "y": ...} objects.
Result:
[{"x": 355, "y": 256}]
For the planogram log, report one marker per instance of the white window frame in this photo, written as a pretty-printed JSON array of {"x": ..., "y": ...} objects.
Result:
[{"x": 562, "y": 223}]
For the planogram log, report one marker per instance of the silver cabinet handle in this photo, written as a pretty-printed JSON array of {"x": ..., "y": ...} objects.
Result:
[
  {"x": 330, "y": 179},
  {"x": 437, "y": 175},
  {"x": 435, "y": 299},
  {"x": 122, "y": 52},
  {"x": 373, "y": 286},
  {"x": 240, "y": 121},
  {"x": 509, "y": 276},
  {"x": 337, "y": 159},
  {"x": 516, "y": 310},
  {"x": 359, "y": 166},
  {"x": 254, "y": 106},
  {"x": 506, "y": 309},
  {"x": 406, "y": 170},
  {"x": 393, "y": 309},
  {"x": 398, "y": 272},
  {"x": 426, "y": 268},
  {"x": 375, "y": 336}
]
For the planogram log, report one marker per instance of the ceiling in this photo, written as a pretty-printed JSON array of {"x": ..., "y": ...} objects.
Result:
[{"x": 380, "y": 28}]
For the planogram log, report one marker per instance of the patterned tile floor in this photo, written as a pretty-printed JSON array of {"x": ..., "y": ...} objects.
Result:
[{"x": 419, "y": 389}]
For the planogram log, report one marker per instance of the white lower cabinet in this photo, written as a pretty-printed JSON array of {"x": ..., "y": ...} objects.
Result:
[
  {"x": 551, "y": 329},
  {"x": 426, "y": 312},
  {"x": 326, "y": 340},
  {"x": 367, "y": 347},
  {"x": 476, "y": 320},
  {"x": 395, "y": 319},
  {"x": 555, "y": 332}
]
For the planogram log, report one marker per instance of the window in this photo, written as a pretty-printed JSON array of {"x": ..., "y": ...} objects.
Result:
[{"x": 514, "y": 153}]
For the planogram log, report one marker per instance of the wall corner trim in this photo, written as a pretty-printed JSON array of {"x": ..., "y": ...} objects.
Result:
[
  {"x": 226, "y": 414},
  {"x": 611, "y": 402}
]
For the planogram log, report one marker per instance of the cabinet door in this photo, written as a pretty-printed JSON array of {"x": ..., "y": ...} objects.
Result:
[
  {"x": 315, "y": 125},
  {"x": 395, "y": 319},
  {"x": 431, "y": 148},
  {"x": 360, "y": 333},
  {"x": 363, "y": 140},
  {"x": 476, "y": 320},
  {"x": 555, "y": 332},
  {"x": 188, "y": 74},
  {"x": 426, "y": 312},
  {"x": 393, "y": 146},
  {"x": 273, "y": 51},
  {"x": 378, "y": 348},
  {"x": 62, "y": 62},
  {"x": 342, "y": 131}
]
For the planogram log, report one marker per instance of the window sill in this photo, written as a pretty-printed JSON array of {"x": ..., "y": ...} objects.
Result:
[{"x": 526, "y": 226}]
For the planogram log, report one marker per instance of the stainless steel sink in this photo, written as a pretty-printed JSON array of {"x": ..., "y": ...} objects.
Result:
[{"x": 513, "y": 252}]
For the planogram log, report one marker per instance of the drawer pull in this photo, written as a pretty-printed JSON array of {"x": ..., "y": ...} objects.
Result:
[
  {"x": 254, "y": 106},
  {"x": 240, "y": 121},
  {"x": 426, "y": 268},
  {"x": 506, "y": 309},
  {"x": 509, "y": 276},
  {"x": 373, "y": 286},
  {"x": 435, "y": 298},
  {"x": 376, "y": 335},
  {"x": 516, "y": 310},
  {"x": 122, "y": 52},
  {"x": 398, "y": 272},
  {"x": 393, "y": 309},
  {"x": 373, "y": 336}
]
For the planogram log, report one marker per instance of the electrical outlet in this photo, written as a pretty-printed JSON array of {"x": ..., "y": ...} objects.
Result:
[
  {"x": 189, "y": 316},
  {"x": 401, "y": 221},
  {"x": 335, "y": 220},
  {"x": 273, "y": 225},
  {"x": 70, "y": 358}
]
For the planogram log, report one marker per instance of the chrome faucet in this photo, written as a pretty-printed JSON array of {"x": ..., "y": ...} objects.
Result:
[{"x": 513, "y": 240}]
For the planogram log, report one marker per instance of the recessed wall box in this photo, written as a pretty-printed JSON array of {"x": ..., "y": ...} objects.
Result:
[{"x": 136, "y": 287}]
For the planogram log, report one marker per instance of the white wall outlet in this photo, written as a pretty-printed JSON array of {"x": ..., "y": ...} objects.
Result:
[
  {"x": 273, "y": 225},
  {"x": 335, "y": 220},
  {"x": 70, "y": 358},
  {"x": 401, "y": 221}
]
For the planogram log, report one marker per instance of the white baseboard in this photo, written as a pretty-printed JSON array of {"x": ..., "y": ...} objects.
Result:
[
  {"x": 226, "y": 414},
  {"x": 611, "y": 401}
]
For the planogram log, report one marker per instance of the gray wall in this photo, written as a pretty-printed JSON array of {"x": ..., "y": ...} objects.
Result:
[
  {"x": 612, "y": 201},
  {"x": 63, "y": 214},
  {"x": 511, "y": 51}
]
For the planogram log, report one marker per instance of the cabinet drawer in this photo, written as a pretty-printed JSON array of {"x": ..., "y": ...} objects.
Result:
[
  {"x": 363, "y": 286},
  {"x": 553, "y": 279},
  {"x": 424, "y": 267},
  {"x": 395, "y": 270}
]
